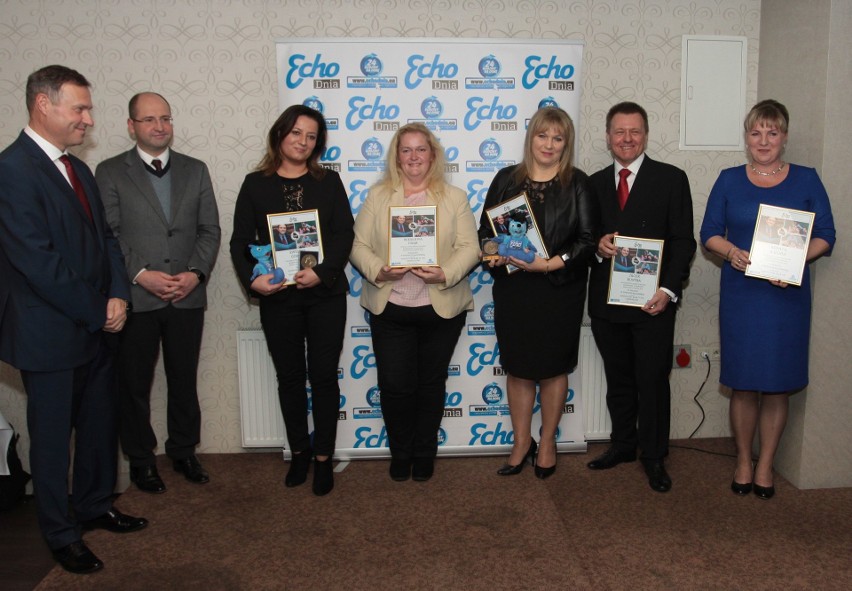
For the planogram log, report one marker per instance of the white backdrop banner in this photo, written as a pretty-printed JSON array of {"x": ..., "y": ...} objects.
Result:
[{"x": 477, "y": 96}]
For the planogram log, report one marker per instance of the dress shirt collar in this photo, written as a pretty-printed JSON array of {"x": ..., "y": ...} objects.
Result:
[
  {"x": 633, "y": 168},
  {"x": 52, "y": 151},
  {"x": 148, "y": 159}
]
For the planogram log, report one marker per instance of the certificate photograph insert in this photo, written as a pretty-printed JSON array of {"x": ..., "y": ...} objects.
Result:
[
  {"x": 779, "y": 247},
  {"x": 515, "y": 231},
  {"x": 634, "y": 275},
  {"x": 296, "y": 241},
  {"x": 413, "y": 240}
]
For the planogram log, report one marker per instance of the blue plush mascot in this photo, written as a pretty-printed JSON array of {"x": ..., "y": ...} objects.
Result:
[
  {"x": 262, "y": 253},
  {"x": 515, "y": 243}
]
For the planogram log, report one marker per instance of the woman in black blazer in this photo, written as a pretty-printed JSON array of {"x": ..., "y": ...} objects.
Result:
[
  {"x": 313, "y": 310},
  {"x": 539, "y": 308}
]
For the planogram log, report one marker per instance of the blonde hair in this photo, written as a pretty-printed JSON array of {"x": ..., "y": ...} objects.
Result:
[
  {"x": 392, "y": 177},
  {"x": 543, "y": 119},
  {"x": 769, "y": 112}
]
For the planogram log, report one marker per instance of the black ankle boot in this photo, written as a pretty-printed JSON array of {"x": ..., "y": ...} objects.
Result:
[
  {"x": 299, "y": 464},
  {"x": 323, "y": 477},
  {"x": 422, "y": 469},
  {"x": 400, "y": 469}
]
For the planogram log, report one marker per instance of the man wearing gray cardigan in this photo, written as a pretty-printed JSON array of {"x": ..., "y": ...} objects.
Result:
[{"x": 160, "y": 205}]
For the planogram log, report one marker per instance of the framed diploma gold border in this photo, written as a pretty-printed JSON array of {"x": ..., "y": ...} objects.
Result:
[
  {"x": 636, "y": 243},
  {"x": 413, "y": 212},
  {"x": 298, "y": 219},
  {"x": 507, "y": 208},
  {"x": 787, "y": 215}
]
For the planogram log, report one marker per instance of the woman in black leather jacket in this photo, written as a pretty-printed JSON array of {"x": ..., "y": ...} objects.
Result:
[{"x": 538, "y": 308}]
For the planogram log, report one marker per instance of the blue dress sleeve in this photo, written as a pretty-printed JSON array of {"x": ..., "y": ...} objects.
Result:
[
  {"x": 820, "y": 205},
  {"x": 715, "y": 223}
]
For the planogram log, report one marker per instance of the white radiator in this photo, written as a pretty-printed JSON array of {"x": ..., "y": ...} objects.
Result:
[
  {"x": 598, "y": 424},
  {"x": 260, "y": 414}
]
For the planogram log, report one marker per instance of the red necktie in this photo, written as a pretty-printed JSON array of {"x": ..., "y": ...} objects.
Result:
[
  {"x": 78, "y": 186},
  {"x": 623, "y": 189},
  {"x": 158, "y": 165}
]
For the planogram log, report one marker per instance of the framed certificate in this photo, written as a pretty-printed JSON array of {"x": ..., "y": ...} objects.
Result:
[
  {"x": 296, "y": 241},
  {"x": 779, "y": 246},
  {"x": 515, "y": 231},
  {"x": 413, "y": 240},
  {"x": 634, "y": 275}
]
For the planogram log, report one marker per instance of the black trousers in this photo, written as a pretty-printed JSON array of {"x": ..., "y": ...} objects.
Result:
[
  {"x": 413, "y": 349},
  {"x": 179, "y": 330},
  {"x": 637, "y": 360},
  {"x": 289, "y": 324},
  {"x": 78, "y": 402}
]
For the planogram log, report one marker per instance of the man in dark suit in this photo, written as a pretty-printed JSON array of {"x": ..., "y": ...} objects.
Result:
[
  {"x": 636, "y": 343},
  {"x": 282, "y": 239},
  {"x": 400, "y": 229},
  {"x": 63, "y": 296},
  {"x": 161, "y": 207},
  {"x": 500, "y": 226}
]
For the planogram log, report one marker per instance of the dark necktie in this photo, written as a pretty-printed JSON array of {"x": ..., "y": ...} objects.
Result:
[
  {"x": 78, "y": 186},
  {"x": 623, "y": 189},
  {"x": 156, "y": 168}
]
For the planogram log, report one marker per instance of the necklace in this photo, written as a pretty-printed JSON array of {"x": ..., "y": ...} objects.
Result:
[{"x": 761, "y": 173}]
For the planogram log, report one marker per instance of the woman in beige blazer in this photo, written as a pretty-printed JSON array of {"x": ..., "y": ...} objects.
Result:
[{"x": 416, "y": 313}]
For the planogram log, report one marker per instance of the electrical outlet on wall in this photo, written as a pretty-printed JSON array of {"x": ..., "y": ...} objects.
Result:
[{"x": 712, "y": 353}]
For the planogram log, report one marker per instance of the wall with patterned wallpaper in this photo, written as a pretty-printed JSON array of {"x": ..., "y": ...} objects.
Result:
[{"x": 215, "y": 62}]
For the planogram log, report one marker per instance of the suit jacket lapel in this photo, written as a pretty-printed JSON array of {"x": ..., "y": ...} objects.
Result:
[
  {"x": 642, "y": 180},
  {"x": 139, "y": 177},
  {"x": 48, "y": 167}
]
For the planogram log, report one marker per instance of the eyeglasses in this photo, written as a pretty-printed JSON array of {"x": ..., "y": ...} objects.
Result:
[{"x": 153, "y": 120}]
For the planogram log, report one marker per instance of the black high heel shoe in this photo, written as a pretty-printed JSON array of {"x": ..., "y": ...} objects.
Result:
[
  {"x": 764, "y": 492},
  {"x": 510, "y": 470},
  {"x": 740, "y": 489},
  {"x": 544, "y": 472}
]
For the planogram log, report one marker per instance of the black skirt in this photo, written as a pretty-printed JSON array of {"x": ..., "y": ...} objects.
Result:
[{"x": 537, "y": 324}]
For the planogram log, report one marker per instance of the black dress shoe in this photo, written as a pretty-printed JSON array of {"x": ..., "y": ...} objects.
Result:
[
  {"x": 422, "y": 469},
  {"x": 191, "y": 468},
  {"x": 400, "y": 470},
  {"x": 323, "y": 477},
  {"x": 147, "y": 479},
  {"x": 611, "y": 458},
  {"x": 116, "y": 522},
  {"x": 740, "y": 489},
  {"x": 658, "y": 478},
  {"x": 77, "y": 558},
  {"x": 510, "y": 470},
  {"x": 764, "y": 492}
]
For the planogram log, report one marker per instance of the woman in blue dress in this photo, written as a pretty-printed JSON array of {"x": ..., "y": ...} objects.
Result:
[{"x": 764, "y": 324}]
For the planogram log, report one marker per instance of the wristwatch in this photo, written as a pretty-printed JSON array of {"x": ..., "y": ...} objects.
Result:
[
  {"x": 198, "y": 274},
  {"x": 565, "y": 258}
]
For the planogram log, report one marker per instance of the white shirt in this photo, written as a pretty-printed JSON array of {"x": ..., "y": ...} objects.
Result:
[
  {"x": 52, "y": 151},
  {"x": 633, "y": 168}
]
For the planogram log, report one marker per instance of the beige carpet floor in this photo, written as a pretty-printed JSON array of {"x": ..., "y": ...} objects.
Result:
[{"x": 468, "y": 529}]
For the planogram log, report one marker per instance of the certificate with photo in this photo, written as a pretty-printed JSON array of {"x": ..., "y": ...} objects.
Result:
[
  {"x": 779, "y": 247},
  {"x": 296, "y": 241},
  {"x": 516, "y": 232},
  {"x": 413, "y": 240},
  {"x": 634, "y": 275}
]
